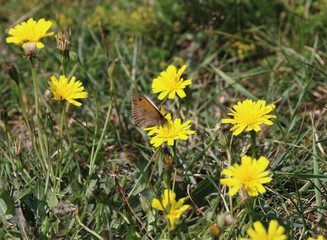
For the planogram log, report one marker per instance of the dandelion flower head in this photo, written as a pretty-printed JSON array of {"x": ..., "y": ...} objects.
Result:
[
  {"x": 249, "y": 115},
  {"x": 63, "y": 89},
  {"x": 30, "y": 32},
  {"x": 320, "y": 237},
  {"x": 260, "y": 233},
  {"x": 170, "y": 82},
  {"x": 170, "y": 207},
  {"x": 170, "y": 131},
  {"x": 250, "y": 174}
]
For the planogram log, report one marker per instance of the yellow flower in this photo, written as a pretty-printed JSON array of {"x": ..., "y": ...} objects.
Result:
[
  {"x": 250, "y": 115},
  {"x": 63, "y": 89},
  {"x": 319, "y": 238},
  {"x": 170, "y": 81},
  {"x": 170, "y": 207},
  {"x": 260, "y": 233},
  {"x": 250, "y": 174},
  {"x": 30, "y": 32},
  {"x": 170, "y": 131}
]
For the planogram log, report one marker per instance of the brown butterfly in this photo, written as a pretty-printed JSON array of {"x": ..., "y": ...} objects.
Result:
[{"x": 145, "y": 113}]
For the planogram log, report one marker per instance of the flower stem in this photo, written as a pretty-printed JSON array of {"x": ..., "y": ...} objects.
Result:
[
  {"x": 99, "y": 144},
  {"x": 176, "y": 163},
  {"x": 64, "y": 61},
  {"x": 229, "y": 157},
  {"x": 29, "y": 128},
  {"x": 143, "y": 173},
  {"x": 8, "y": 140},
  {"x": 35, "y": 86},
  {"x": 254, "y": 143},
  {"x": 249, "y": 213},
  {"x": 60, "y": 154}
]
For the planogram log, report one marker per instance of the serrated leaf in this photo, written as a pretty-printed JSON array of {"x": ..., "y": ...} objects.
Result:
[
  {"x": 9, "y": 202},
  {"x": 3, "y": 208}
]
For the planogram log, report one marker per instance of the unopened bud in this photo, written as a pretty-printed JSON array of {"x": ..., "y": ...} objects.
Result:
[
  {"x": 64, "y": 40},
  {"x": 223, "y": 140},
  {"x": 4, "y": 116},
  {"x": 73, "y": 56},
  {"x": 215, "y": 231},
  {"x": 18, "y": 148},
  {"x": 48, "y": 120},
  {"x": 146, "y": 206},
  {"x": 38, "y": 121},
  {"x": 224, "y": 220},
  {"x": 12, "y": 72}
]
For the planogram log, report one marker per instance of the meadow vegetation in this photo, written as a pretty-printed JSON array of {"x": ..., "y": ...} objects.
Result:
[{"x": 242, "y": 148}]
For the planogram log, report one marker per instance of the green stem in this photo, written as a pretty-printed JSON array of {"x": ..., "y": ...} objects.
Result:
[
  {"x": 29, "y": 128},
  {"x": 35, "y": 86},
  {"x": 249, "y": 211},
  {"x": 64, "y": 62},
  {"x": 176, "y": 164},
  {"x": 143, "y": 173},
  {"x": 229, "y": 157},
  {"x": 9, "y": 151},
  {"x": 112, "y": 92},
  {"x": 99, "y": 145},
  {"x": 254, "y": 143},
  {"x": 316, "y": 172},
  {"x": 67, "y": 131},
  {"x": 60, "y": 154},
  {"x": 37, "y": 111},
  {"x": 85, "y": 227},
  {"x": 42, "y": 142}
]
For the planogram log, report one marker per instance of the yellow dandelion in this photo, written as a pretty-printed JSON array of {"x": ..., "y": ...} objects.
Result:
[
  {"x": 30, "y": 32},
  {"x": 170, "y": 131},
  {"x": 320, "y": 237},
  {"x": 170, "y": 82},
  {"x": 250, "y": 115},
  {"x": 170, "y": 207},
  {"x": 63, "y": 89},
  {"x": 250, "y": 174},
  {"x": 260, "y": 233}
]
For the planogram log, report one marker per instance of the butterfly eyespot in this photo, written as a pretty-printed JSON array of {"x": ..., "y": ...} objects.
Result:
[{"x": 140, "y": 99}]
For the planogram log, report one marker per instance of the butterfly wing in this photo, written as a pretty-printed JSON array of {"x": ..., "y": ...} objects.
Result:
[{"x": 145, "y": 113}]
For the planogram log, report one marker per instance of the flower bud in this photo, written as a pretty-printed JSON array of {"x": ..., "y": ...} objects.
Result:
[
  {"x": 224, "y": 220},
  {"x": 64, "y": 40},
  {"x": 73, "y": 56},
  {"x": 38, "y": 121},
  {"x": 146, "y": 206},
  {"x": 48, "y": 120},
  {"x": 18, "y": 148},
  {"x": 4, "y": 116},
  {"x": 13, "y": 73},
  {"x": 215, "y": 231}
]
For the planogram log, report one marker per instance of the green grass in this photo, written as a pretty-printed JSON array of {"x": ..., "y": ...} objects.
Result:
[{"x": 234, "y": 50}]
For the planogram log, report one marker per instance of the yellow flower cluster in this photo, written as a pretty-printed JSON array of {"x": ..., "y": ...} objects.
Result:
[
  {"x": 29, "y": 35},
  {"x": 243, "y": 49}
]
